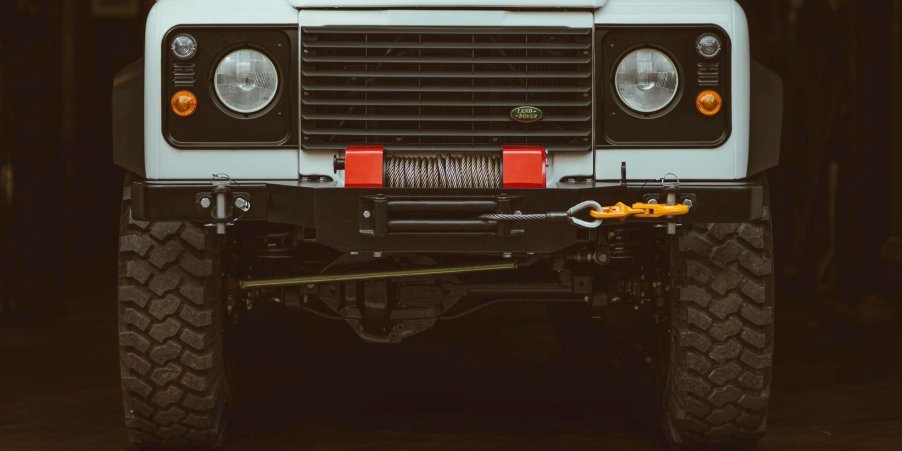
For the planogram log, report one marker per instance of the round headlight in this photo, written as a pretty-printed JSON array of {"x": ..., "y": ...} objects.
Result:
[
  {"x": 647, "y": 80},
  {"x": 246, "y": 81}
]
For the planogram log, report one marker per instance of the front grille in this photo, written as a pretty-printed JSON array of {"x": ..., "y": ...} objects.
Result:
[{"x": 445, "y": 89}]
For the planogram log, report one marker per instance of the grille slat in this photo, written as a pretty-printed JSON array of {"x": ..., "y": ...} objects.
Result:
[
  {"x": 445, "y": 89},
  {"x": 344, "y": 131},
  {"x": 458, "y": 31},
  {"x": 443, "y": 60},
  {"x": 438, "y": 148},
  {"x": 402, "y": 88},
  {"x": 454, "y": 103},
  {"x": 431, "y": 118},
  {"x": 446, "y": 45},
  {"x": 441, "y": 74}
]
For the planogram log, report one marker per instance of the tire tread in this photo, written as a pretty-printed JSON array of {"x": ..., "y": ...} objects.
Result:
[
  {"x": 170, "y": 334},
  {"x": 721, "y": 350}
]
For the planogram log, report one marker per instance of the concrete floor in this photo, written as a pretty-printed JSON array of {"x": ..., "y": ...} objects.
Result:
[{"x": 467, "y": 385}]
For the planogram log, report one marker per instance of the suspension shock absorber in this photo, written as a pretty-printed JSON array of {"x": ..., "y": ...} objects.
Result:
[
  {"x": 272, "y": 251},
  {"x": 631, "y": 242},
  {"x": 275, "y": 245}
]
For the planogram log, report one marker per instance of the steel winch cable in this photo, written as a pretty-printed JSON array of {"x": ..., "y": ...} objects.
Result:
[
  {"x": 440, "y": 170},
  {"x": 513, "y": 217}
]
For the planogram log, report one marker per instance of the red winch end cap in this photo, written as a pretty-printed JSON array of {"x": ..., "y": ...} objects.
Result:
[
  {"x": 364, "y": 166},
  {"x": 524, "y": 167}
]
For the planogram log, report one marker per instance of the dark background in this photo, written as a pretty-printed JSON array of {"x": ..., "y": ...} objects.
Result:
[{"x": 836, "y": 195}]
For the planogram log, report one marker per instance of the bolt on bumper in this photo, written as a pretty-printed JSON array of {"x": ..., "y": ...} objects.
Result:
[{"x": 433, "y": 220}]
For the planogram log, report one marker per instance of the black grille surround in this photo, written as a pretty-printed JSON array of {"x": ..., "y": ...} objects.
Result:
[{"x": 441, "y": 89}]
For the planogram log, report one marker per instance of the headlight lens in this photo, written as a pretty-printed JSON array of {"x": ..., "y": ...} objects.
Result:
[
  {"x": 647, "y": 80},
  {"x": 246, "y": 81}
]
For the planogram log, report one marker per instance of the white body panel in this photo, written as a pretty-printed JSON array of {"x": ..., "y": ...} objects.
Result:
[
  {"x": 162, "y": 161},
  {"x": 728, "y": 162},
  {"x": 503, "y": 4}
]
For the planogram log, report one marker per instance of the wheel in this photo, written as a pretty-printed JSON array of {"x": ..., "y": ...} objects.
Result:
[
  {"x": 170, "y": 333},
  {"x": 721, "y": 336}
]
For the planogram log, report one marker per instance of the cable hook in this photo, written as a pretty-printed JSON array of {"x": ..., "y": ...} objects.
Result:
[{"x": 589, "y": 205}]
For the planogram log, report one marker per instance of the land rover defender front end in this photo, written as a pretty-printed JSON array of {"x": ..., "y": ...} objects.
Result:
[{"x": 392, "y": 163}]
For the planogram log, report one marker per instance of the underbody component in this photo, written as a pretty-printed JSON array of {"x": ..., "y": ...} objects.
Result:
[
  {"x": 357, "y": 277},
  {"x": 389, "y": 306},
  {"x": 382, "y": 308}
]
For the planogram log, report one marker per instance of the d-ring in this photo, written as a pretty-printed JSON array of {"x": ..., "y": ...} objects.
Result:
[{"x": 672, "y": 177}]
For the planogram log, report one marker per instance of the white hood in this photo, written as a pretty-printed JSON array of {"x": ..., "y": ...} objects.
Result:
[{"x": 503, "y": 4}]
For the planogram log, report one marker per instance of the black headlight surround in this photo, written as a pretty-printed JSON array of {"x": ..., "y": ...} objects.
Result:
[
  {"x": 679, "y": 125},
  {"x": 214, "y": 126}
]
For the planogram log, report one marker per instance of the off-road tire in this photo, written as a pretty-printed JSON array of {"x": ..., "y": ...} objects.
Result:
[
  {"x": 170, "y": 333},
  {"x": 721, "y": 337}
]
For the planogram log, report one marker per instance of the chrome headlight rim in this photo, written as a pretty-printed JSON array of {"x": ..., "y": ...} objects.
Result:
[
  {"x": 673, "y": 101},
  {"x": 247, "y": 113}
]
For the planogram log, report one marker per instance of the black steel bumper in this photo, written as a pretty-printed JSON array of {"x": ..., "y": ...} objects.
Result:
[{"x": 421, "y": 220}]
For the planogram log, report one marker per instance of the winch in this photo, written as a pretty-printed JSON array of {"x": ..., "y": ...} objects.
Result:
[
  {"x": 461, "y": 170},
  {"x": 511, "y": 167}
]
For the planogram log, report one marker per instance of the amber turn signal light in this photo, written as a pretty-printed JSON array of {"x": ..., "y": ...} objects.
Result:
[
  {"x": 709, "y": 103},
  {"x": 184, "y": 103}
]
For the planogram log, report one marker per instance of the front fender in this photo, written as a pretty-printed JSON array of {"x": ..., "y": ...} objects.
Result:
[{"x": 128, "y": 118}]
